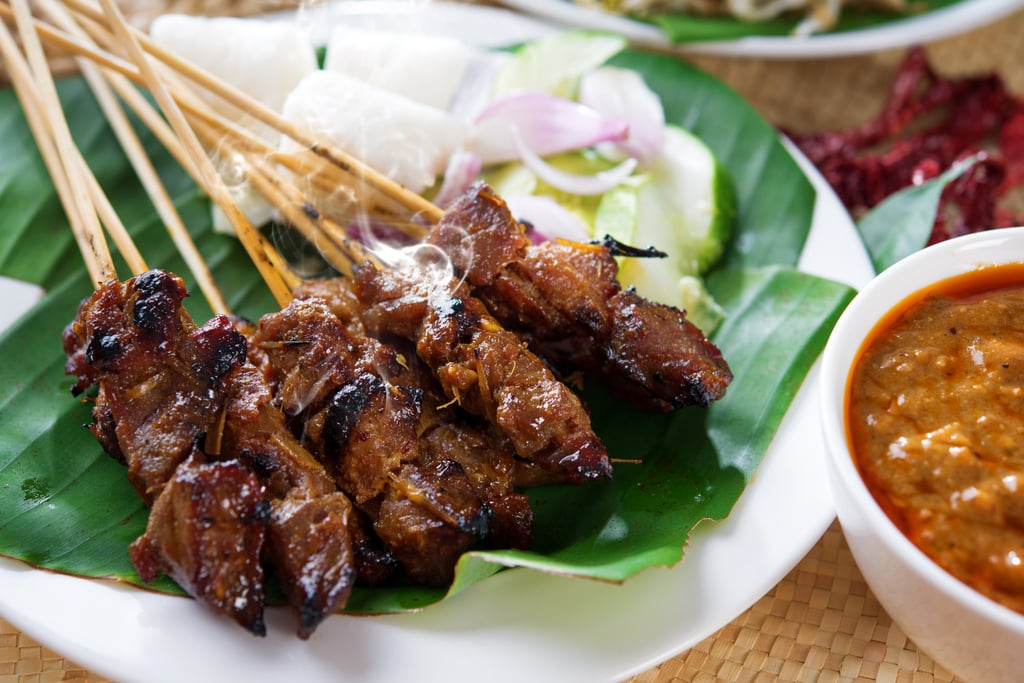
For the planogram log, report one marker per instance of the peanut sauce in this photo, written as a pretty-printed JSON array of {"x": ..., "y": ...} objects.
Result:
[{"x": 935, "y": 419}]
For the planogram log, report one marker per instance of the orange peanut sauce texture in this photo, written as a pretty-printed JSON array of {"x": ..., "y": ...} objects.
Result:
[{"x": 935, "y": 419}]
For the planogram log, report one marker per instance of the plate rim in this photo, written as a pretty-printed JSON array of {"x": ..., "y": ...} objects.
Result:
[{"x": 934, "y": 25}]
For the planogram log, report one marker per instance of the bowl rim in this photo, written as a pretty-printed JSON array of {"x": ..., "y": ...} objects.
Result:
[{"x": 885, "y": 291}]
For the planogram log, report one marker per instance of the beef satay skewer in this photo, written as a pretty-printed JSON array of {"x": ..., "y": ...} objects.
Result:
[
  {"x": 591, "y": 455},
  {"x": 183, "y": 541},
  {"x": 660, "y": 403},
  {"x": 147, "y": 309}
]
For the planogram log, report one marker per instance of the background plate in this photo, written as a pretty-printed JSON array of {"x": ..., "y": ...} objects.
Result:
[{"x": 918, "y": 29}]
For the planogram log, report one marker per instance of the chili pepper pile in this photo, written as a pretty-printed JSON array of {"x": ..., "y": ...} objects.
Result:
[{"x": 929, "y": 122}]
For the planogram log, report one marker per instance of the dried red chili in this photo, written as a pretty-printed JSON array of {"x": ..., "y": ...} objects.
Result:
[{"x": 928, "y": 123}]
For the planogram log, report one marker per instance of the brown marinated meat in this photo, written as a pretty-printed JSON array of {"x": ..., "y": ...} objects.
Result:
[
  {"x": 486, "y": 369},
  {"x": 375, "y": 564},
  {"x": 169, "y": 390},
  {"x": 206, "y": 531},
  {"x": 369, "y": 431},
  {"x": 337, "y": 294},
  {"x": 364, "y": 425},
  {"x": 564, "y": 298},
  {"x": 307, "y": 538},
  {"x": 447, "y": 433},
  {"x": 305, "y": 354},
  {"x": 161, "y": 377},
  {"x": 489, "y": 466},
  {"x": 371, "y": 437}
]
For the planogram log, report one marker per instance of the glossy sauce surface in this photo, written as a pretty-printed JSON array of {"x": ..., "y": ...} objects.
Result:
[{"x": 935, "y": 418}]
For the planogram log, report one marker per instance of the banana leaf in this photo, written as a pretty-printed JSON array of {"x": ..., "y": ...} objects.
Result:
[
  {"x": 66, "y": 506},
  {"x": 902, "y": 223}
]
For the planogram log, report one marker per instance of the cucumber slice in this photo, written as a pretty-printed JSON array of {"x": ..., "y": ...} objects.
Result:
[
  {"x": 613, "y": 213},
  {"x": 616, "y": 214},
  {"x": 554, "y": 64},
  {"x": 687, "y": 210},
  {"x": 701, "y": 308},
  {"x": 509, "y": 179},
  {"x": 688, "y": 207},
  {"x": 699, "y": 192}
]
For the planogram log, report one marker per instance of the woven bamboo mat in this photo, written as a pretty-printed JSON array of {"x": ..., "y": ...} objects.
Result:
[{"x": 820, "y": 623}]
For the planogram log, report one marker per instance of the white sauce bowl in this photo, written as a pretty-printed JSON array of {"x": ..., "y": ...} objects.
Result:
[{"x": 968, "y": 633}]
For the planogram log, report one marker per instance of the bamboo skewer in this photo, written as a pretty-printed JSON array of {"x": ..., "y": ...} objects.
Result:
[
  {"x": 336, "y": 247},
  {"x": 320, "y": 175},
  {"x": 339, "y": 250},
  {"x": 76, "y": 191},
  {"x": 381, "y": 198},
  {"x": 98, "y": 203},
  {"x": 363, "y": 173},
  {"x": 21, "y": 79},
  {"x": 98, "y": 31},
  {"x": 141, "y": 163},
  {"x": 318, "y": 230},
  {"x": 275, "y": 271},
  {"x": 55, "y": 143},
  {"x": 168, "y": 138},
  {"x": 247, "y": 234},
  {"x": 152, "y": 119},
  {"x": 325, "y": 173}
]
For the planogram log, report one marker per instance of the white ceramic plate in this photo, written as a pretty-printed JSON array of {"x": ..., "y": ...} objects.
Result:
[
  {"x": 917, "y": 29},
  {"x": 518, "y": 625}
]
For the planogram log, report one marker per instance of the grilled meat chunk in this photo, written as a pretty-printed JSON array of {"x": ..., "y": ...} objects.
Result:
[
  {"x": 206, "y": 531},
  {"x": 485, "y": 368},
  {"x": 488, "y": 464},
  {"x": 364, "y": 427},
  {"x": 446, "y": 433},
  {"x": 371, "y": 438},
  {"x": 305, "y": 354},
  {"x": 307, "y": 538},
  {"x": 170, "y": 391},
  {"x": 337, "y": 295},
  {"x": 428, "y": 539},
  {"x": 162, "y": 379},
  {"x": 369, "y": 431},
  {"x": 564, "y": 297},
  {"x": 375, "y": 564}
]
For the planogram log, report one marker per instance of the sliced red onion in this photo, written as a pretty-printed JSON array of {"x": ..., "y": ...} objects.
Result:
[
  {"x": 462, "y": 170},
  {"x": 547, "y": 125},
  {"x": 574, "y": 183},
  {"x": 622, "y": 94},
  {"x": 548, "y": 219}
]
